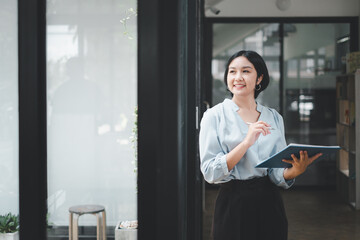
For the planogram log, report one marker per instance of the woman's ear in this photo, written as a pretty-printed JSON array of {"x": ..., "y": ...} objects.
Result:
[{"x": 259, "y": 79}]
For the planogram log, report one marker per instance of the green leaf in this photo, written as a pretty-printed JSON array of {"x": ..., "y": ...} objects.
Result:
[{"x": 9, "y": 223}]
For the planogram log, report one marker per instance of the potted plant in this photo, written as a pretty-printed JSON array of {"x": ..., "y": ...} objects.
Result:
[{"x": 9, "y": 227}]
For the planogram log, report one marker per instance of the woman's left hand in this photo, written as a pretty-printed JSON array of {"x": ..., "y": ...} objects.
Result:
[{"x": 299, "y": 165}]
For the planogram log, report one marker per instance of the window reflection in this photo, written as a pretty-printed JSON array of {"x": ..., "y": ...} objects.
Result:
[
  {"x": 309, "y": 81},
  {"x": 91, "y": 99}
]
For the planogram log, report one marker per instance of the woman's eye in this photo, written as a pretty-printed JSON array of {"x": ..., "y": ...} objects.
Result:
[
  {"x": 232, "y": 71},
  {"x": 245, "y": 71}
]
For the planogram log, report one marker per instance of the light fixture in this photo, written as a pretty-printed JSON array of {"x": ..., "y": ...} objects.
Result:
[
  {"x": 283, "y": 4},
  {"x": 344, "y": 39}
]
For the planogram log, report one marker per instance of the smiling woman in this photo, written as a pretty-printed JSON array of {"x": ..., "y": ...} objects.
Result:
[{"x": 249, "y": 205}]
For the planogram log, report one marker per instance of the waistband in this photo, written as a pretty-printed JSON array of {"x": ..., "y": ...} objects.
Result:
[{"x": 257, "y": 182}]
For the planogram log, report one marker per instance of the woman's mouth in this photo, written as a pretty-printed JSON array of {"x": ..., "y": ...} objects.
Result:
[{"x": 239, "y": 85}]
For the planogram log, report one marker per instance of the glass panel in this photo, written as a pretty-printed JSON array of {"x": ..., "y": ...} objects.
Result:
[
  {"x": 9, "y": 147},
  {"x": 312, "y": 60},
  {"x": 91, "y": 103},
  {"x": 262, "y": 38},
  {"x": 227, "y": 40}
]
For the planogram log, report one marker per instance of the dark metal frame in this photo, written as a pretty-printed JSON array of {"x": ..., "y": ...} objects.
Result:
[
  {"x": 169, "y": 199},
  {"x": 32, "y": 118}
]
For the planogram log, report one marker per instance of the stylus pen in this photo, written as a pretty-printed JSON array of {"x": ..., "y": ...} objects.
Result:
[{"x": 270, "y": 128}]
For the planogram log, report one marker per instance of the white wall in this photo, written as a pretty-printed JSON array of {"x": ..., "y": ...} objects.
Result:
[
  {"x": 298, "y": 8},
  {"x": 312, "y": 36}
]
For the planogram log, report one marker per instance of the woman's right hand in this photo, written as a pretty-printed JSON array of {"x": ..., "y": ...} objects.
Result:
[{"x": 255, "y": 129}]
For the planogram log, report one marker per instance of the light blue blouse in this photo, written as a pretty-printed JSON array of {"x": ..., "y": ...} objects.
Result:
[{"x": 222, "y": 129}]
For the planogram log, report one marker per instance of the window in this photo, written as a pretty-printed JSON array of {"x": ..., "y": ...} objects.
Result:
[
  {"x": 9, "y": 133},
  {"x": 91, "y": 104}
]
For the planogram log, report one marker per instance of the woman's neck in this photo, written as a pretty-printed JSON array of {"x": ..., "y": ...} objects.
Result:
[{"x": 245, "y": 103}]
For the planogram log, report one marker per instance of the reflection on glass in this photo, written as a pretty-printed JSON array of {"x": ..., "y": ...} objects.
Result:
[
  {"x": 311, "y": 64},
  {"x": 231, "y": 38},
  {"x": 91, "y": 99},
  {"x": 312, "y": 60},
  {"x": 9, "y": 147}
]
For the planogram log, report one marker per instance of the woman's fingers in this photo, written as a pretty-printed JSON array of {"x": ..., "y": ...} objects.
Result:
[
  {"x": 302, "y": 156},
  {"x": 261, "y": 129},
  {"x": 288, "y": 161},
  {"x": 265, "y": 126},
  {"x": 316, "y": 156},
  {"x": 264, "y": 123},
  {"x": 255, "y": 129},
  {"x": 294, "y": 158}
]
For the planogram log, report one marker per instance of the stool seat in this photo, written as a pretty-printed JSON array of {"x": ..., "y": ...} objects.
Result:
[
  {"x": 83, "y": 209},
  {"x": 77, "y": 211}
]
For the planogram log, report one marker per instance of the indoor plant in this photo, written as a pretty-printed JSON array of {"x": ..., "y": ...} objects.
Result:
[{"x": 9, "y": 227}]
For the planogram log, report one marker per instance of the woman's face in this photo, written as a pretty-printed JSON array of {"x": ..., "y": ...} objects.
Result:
[{"x": 242, "y": 77}]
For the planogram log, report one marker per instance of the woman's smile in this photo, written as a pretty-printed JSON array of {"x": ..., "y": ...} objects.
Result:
[{"x": 239, "y": 85}]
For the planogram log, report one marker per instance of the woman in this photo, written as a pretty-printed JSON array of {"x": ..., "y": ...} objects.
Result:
[{"x": 235, "y": 136}]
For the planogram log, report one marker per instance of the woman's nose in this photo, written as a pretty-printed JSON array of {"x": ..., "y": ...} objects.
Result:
[{"x": 238, "y": 77}]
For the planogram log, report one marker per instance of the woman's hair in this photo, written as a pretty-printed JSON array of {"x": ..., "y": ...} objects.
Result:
[{"x": 259, "y": 65}]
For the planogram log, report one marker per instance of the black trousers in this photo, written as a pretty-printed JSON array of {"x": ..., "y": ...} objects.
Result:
[{"x": 249, "y": 210}]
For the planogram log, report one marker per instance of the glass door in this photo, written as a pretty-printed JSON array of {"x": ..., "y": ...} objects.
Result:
[
  {"x": 91, "y": 112},
  {"x": 303, "y": 61},
  {"x": 313, "y": 57},
  {"x": 227, "y": 40}
]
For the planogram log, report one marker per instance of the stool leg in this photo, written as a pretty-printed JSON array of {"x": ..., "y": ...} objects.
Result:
[
  {"x": 71, "y": 226},
  {"x": 76, "y": 227},
  {"x": 104, "y": 224},
  {"x": 98, "y": 226}
]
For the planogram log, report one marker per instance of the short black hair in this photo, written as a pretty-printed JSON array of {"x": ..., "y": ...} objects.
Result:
[{"x": 259, "y": 65}]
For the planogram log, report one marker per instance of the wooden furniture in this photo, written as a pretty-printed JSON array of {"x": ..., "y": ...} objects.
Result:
[
  {"x": 348, "y": 134},
  {"x": 77, "y": 211}
]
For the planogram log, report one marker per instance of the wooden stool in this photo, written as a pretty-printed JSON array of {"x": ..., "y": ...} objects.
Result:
[{"x": 77, "y": 211}]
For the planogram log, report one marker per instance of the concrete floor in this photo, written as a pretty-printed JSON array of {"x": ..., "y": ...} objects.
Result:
[{"x": 313, "y": 214}]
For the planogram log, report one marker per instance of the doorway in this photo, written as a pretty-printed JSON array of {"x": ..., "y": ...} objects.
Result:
[
  {"x": 303, "y": 61},
  {"x": 303, "y": 56}
]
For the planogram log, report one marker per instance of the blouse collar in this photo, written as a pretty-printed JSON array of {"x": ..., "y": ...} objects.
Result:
[{"x": 235, "y": 107}]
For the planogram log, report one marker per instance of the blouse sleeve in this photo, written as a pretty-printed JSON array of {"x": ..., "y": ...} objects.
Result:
[
  {"x": 212, "y": 156},
  {"x": 276, "y": 175}
]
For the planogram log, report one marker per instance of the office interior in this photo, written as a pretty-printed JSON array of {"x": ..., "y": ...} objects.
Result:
[
  {"x": 81, "y": 79},
  {"x": 305, "y": 55}
]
